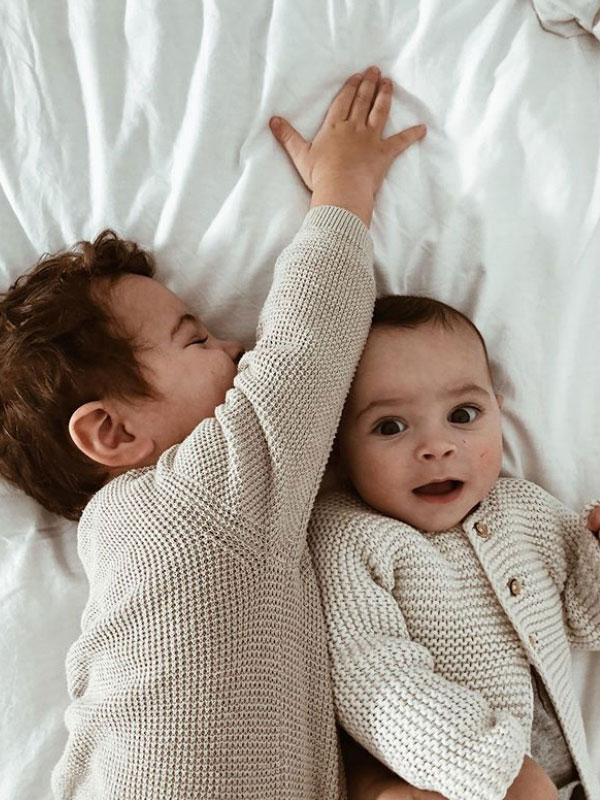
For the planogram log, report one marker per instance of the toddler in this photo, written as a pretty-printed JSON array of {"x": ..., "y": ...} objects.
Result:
[
  {"x": 451, "y": 595},
  {"x": 201, "y": 669}
]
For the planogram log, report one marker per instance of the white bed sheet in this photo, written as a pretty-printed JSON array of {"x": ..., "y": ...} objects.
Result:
[{"x": 151, "y": 117}]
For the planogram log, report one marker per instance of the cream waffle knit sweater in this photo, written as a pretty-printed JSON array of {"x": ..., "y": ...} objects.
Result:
[
  {"x": 432, "y": 635},
  {"x": 201, "y": 671}
]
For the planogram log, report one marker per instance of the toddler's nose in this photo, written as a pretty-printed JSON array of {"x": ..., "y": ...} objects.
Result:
[{"x": 234, "y": 350}]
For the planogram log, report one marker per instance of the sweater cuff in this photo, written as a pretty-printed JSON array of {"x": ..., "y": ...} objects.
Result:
[{"x": 339, "y": 220}]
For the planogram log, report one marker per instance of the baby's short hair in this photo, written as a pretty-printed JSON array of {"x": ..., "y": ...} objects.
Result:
[
  {"x": 60, "y": 347},
  {"x": 412, "y": 311}
]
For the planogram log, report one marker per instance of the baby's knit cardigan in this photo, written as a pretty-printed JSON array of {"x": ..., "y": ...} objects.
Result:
[
  {"x": 432, "y": 635},
  {"x": 201, "y": 671}
]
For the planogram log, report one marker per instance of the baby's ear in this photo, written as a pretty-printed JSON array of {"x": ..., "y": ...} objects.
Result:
[
  {"x": 499, "y": 400},
  {"x": 97, "y": 430}
]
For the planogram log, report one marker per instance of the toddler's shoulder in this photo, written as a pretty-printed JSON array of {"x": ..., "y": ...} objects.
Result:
[
  {"x": 132, "y": 489},
  {"x": 128, "y": 512}
]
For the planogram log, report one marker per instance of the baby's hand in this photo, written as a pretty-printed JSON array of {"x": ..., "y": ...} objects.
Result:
[
  {"x": 594, "y": 520},
  {"x": 348, "y": 159},
  {"x": 532, "y": 783},
  {"x": 400, "y": 790}
]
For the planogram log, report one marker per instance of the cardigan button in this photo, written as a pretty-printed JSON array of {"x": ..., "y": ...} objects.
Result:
[
  {"x": 482, "y": 530},
  {"x": 532, "y": 640},
  {"x": 515, "y": 586}
]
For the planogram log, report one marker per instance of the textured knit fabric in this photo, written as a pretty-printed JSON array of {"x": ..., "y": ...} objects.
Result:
[
  {"x": 201, "y": 671},
  {"x": 548, "y": 745},
  {"x": 432, "y": 635}
]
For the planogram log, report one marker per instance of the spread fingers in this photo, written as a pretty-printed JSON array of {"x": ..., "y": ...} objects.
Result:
[
  {"x": 364, "y": 96},
  {"x": 381, "y": 107},
  {"x": 342, "y": 103}
]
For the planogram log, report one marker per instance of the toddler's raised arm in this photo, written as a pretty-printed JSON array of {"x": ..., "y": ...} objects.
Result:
[{"x": 262, "y": 457}]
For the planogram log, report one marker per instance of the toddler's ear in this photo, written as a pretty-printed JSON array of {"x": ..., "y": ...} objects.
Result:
[
  {"x": 499, "y": 400},
  {"x": 100, "y": 434}
]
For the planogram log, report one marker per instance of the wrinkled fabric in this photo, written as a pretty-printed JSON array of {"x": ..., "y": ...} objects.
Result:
[
  {"x": 569, "y": 17},
  {"x": 152, "y": 118}
]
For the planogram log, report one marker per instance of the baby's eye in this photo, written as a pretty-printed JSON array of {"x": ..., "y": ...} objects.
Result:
[
  {"x": 390, "y": 427},
  {"x": 464, "y": 415}
]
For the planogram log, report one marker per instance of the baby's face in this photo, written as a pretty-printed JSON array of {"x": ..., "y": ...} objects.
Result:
[
  {"x": 420, "y": 435},
  {"x": 191, "y": 368}
]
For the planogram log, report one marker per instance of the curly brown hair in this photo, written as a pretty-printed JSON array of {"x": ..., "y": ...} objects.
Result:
[{"x": 61, "y": 347}]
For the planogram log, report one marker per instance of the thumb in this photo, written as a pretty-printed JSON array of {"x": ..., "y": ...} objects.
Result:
[
  {"x": 399, "y": 142},
  {"x": 594, "y": 519},
  {"x": 294, "y": 145}
]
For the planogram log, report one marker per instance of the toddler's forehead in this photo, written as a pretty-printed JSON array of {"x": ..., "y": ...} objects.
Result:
[{"x": 144, "y": 307}]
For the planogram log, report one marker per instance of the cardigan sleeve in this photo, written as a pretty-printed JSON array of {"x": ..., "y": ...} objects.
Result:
[
  {"x": 572, "y": 555},
  {"x": 259, "y": 460},
  {"x": 437, "y": 734},
  {"x": 581, "y": 598}
]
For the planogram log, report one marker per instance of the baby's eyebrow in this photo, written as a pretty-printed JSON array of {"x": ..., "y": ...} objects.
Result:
[
  {"x": 389, "y": 401},
  {"x": 187, "y": 317},
  {"x": 467, "y": 388},
  {"x": 454, "y": 391}
]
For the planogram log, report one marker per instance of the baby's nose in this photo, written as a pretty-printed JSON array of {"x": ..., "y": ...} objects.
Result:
[{"x": 435, "y": 449}]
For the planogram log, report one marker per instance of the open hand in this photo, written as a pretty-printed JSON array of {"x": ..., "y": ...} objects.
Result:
[{"x": 347, "y": 160}]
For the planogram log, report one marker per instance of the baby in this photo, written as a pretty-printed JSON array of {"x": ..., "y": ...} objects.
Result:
[
  {"x": 201, "y": 669},
  {"x": 451, "y": 595}
]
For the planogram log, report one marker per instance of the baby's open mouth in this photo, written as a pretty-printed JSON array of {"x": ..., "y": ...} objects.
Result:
[{"x": 439, "y": 488}]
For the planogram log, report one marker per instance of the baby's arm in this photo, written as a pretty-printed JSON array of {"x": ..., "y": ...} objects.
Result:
[
  {"x": 581, "y": 597},
  {"x": 437, "y": 734},
  {"x": 571, "y": 552},
  {"x": 262, "y": 456},
  {"x": 369, "y": 779}
]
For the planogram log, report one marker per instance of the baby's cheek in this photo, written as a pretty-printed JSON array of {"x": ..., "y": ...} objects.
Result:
[
  {"x": 489, "y": 461},
  {"x": 375, "y": 474}
]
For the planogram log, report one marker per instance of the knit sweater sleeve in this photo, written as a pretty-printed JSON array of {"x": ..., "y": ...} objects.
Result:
[
  {"x": 259, "y": 460},
  {"x": 572, "y": 556},
  {"x": 435, "y": 733}
]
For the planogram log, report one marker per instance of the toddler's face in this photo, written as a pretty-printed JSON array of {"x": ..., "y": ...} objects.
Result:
[
  {"x": 420, "y": 436},
  {"x": 191, "y": 368}
]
